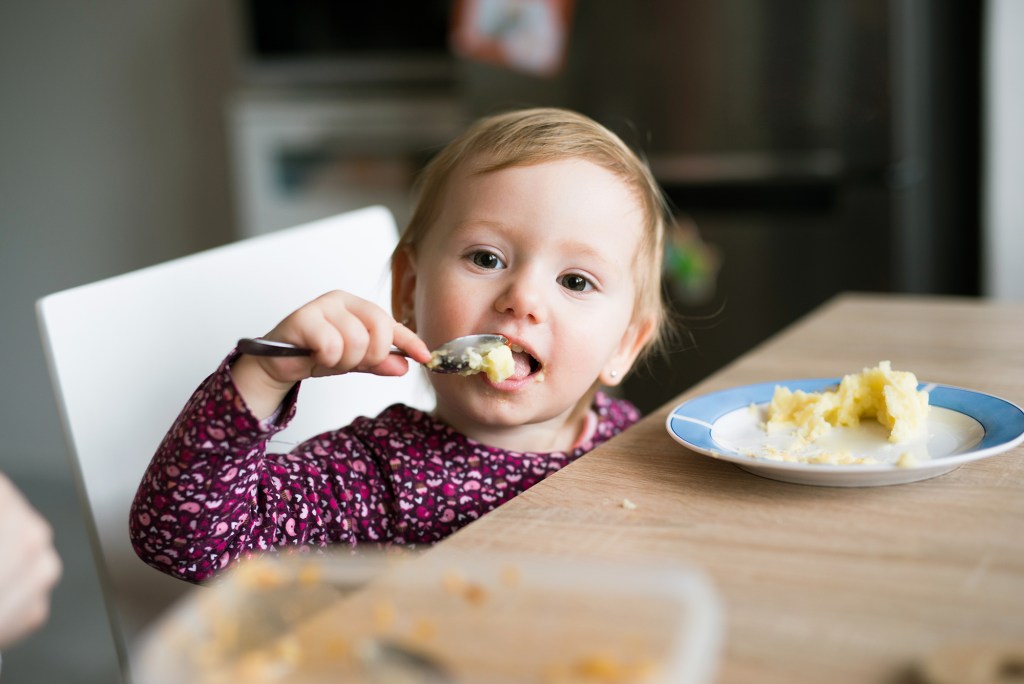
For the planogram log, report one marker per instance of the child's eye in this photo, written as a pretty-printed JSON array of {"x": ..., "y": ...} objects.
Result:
[
  {"x": 575, "y": 282},
  {"x": 488, "y": 260}
]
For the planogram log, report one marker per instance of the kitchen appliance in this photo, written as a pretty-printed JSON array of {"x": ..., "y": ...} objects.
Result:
[{"x": 817, "y": 146}]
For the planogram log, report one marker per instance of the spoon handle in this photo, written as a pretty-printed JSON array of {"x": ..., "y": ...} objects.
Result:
[{"x": 260, "y": 347}]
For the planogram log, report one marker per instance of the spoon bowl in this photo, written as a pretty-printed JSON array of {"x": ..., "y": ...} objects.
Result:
[{"x": 454, "y": 356}]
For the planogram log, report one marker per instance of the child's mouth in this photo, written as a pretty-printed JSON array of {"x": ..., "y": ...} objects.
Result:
[{"x": 526, "y": 364}]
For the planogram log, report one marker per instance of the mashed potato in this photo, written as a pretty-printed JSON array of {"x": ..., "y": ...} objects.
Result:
[
  {"x": 821, "y": 457},
  {"x": 891, "y": 397},
  {"x": 496, "y": 362}
]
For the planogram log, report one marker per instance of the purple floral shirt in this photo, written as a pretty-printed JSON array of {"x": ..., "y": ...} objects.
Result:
[{"x": 212, "y": 494}]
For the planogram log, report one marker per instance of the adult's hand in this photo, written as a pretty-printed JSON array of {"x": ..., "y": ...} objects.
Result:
[{"x": 29, "y": 565}]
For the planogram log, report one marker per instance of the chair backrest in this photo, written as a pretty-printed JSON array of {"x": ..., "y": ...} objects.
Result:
[{"x": 125, "y": 353}]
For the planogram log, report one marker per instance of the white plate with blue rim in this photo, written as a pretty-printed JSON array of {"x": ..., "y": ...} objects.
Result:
[{"x": 962, "y": 426}]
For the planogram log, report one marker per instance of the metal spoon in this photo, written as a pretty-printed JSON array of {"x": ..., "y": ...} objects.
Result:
[
  {"x": 388, "y": 661},
  {"x": 452, "y": 357}
]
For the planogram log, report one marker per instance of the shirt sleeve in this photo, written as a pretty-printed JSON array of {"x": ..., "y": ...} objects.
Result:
[{"x": 213, "y": 495}]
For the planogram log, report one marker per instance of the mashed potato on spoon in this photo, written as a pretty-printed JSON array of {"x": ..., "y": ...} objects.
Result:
[{"x": 496, "y": 362}]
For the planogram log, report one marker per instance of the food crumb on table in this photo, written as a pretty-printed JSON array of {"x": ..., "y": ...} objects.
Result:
[{"x": 628, "y": 505}]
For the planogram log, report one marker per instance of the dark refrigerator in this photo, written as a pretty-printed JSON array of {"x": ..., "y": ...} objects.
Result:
[{"x": 813, "y": 146}]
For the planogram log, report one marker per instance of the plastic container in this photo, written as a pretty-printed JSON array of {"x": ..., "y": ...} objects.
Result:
[{"x": 481, "y": 617}]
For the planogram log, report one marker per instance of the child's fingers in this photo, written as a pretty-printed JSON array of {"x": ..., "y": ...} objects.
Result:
[
  {"x": 393, "y": 365},
  {"x": 310, "y": 327},
  {"x": 366, "y": 331},
  {"x": 328, "y": 327},
  {"x": 380, "y": 326},
  {"x": 354, "y": 341},
  {"x": 411, "y": 344},
  {"x": 396, "y": 364},
  {"x": 347, "y": 333}
]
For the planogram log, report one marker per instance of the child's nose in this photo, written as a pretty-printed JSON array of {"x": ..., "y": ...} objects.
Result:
[{"x": 522, "y": 297}]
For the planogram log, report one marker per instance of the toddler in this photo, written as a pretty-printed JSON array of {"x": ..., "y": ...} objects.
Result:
[{"x": 540, "y": 225}]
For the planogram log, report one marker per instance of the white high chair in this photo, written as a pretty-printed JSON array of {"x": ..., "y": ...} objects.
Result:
[{"x": 125, "y": 354}]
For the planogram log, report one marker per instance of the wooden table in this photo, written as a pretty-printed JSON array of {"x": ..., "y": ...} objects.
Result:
[{"x": 819, "y": 584}]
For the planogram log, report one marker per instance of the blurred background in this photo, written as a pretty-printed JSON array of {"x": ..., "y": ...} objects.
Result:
[{"x": 807, "y": 146}]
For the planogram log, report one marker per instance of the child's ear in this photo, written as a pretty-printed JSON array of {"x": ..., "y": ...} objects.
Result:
[
  {"x": 403, "y": 287},
  {"x": 633, "y": 340}
]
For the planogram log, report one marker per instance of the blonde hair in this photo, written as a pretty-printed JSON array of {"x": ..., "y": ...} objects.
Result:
[{"x": 534, "y": 136}]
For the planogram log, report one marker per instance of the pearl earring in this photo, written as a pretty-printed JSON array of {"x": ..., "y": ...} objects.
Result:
[{"x": 613, "y": 374}]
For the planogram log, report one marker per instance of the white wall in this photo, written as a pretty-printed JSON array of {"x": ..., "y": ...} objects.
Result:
[
  {"x": 113, "y": 155},
  {"x": 1003, "y": 189}
]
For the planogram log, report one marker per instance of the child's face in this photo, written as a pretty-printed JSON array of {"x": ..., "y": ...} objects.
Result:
[{"x": 544, "y": 255}]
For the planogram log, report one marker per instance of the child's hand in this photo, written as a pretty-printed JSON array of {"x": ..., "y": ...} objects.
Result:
[{"x": 345, "y": 332}]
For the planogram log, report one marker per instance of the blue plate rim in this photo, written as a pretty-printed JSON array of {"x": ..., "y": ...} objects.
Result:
[{"x": 999, "y": 436}]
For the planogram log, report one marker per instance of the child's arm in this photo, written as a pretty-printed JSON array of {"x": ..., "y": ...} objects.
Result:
[
  {"x": 345, "y": 332},
  {"x": 213, "y": 495}
]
